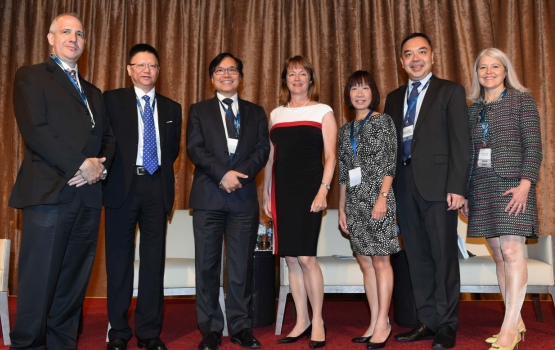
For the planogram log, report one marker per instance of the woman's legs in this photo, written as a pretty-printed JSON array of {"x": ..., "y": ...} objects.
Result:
[
  {"x": 516, "y": 275},
  {"x": 371, "y": 290},
  {"x": 384, "y": 278},
  {"x": 298, "y": 291},
  {"x": 314, "y": 284}
]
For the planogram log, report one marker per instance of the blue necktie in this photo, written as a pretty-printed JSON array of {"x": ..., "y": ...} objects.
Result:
[
  {"x": 409, "y": 120},
  {"x": 150, "y": 154}
]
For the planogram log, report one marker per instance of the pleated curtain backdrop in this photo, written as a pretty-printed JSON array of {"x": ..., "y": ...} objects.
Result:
[{"x": 338, "y": 36}]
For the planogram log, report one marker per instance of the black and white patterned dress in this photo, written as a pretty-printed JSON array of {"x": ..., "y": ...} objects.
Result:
[{"x": 377, "y": 152}]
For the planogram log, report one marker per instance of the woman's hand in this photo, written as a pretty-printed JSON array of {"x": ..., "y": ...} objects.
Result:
[
  {"x": 319, "y": 203},
  {"x": 517, "y": 204},
  {"x": 267, "y": 205},
  {"x": 343, "y": 222},
  {"x": 380, "y": 208}
]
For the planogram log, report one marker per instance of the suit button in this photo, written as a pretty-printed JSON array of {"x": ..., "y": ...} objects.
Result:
[{"x": 226, "y": 153}]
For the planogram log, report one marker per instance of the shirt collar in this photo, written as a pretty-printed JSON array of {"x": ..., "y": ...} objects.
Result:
[
  {"x": 66, "y": 67},
  {"x": 235, "y": 98},
  {"x": 140, "y": 93},
  {"x": 422, "y": 81}
]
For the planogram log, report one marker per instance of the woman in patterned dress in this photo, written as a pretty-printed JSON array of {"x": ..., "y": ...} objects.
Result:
[
  {"x": 367, "y": 156},
  {"x": 505, "y": 159},
  {"x": 295, "y": 188}
]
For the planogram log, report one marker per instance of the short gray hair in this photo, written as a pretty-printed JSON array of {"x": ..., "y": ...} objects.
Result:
[{"x": 54, "y": 23}]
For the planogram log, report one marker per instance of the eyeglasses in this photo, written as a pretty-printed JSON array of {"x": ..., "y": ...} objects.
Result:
[
  {"x": 142, "y": 66},
  {"x": 230, "y": 70}
]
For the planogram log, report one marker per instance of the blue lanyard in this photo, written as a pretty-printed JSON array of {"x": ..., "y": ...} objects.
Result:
[
  {"x": 141, "y": 107},
  {"x": 236, "y": 119},
  {"x": 485, "y": 125},
  {"x": 354, "y": 136},
  {"x": 414, "y": 101},
  {"x": 79, "y": 89}
]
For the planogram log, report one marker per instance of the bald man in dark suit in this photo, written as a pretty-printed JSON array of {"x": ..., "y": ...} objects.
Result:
[{"x": 68, "y": 148}]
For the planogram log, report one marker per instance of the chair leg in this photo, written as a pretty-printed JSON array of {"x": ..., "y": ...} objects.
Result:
[
  {"x": 283, "y": 291},
  {"x": 537, "y": 307},
  {"x": 5, "y": 317},
  {"x": 225, "y": 332}
]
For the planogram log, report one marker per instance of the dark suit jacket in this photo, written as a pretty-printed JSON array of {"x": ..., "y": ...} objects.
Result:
[
  {"x": 440, "y": 144},
  {"x": 122, "y": 113},
  {"x": 207, "y": 149},
  {"x": 56, "y": 127}
]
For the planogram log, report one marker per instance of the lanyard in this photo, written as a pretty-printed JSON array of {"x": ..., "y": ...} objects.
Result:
[
  {"x": 412, "y": 103},
  {"x": 79, "y": 89},
  {"x": 141, "y": 107},
  {"x": 236, "y": 119},
  {"x": 354, "y": 136},
  {"x": 485, "y": 125}
]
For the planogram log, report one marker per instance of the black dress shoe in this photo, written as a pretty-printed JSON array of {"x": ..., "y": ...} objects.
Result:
[
  {"x": 246, "y": 339},
  {"x": 117, "y": 344},
  {"x": 151, "y": 344},
  {"x": 445, "y": 338},
  {"x": 361, "y": 340},
  {"x": 381, "y": 345},
  {"x": 419, "y": 333},
  {"x": 288, "y": 340},
  {"x": 314, "y": 344},
  {"x": 210, "y": 341}
]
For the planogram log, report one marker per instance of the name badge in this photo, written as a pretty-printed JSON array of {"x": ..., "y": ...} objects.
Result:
[
  {"x": 484, "y": 158},
  {"x": 355, "y": 177},
  {"x": 232, "y": 145},
  {"x": 407, "y": 132}
]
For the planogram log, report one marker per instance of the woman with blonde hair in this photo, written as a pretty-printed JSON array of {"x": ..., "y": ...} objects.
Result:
[{"x": 506, "y": 155}]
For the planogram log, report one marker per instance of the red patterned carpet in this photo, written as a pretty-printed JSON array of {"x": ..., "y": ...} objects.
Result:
[{"x": 344, "y": 319}]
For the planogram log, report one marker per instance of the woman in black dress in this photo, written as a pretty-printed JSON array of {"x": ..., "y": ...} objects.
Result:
[{"x": 295, "y": 188}]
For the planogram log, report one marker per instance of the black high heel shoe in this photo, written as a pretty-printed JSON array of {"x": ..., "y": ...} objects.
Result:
[
  {"x": 379, "y": 345},
  {"x": 314, "y": 344},
  {"x": 288, "y": 340},
  {"x": 361, "y": 340}
]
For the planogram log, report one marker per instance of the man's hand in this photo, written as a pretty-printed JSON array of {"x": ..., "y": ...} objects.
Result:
[
  {"x": 230, "y": 181},
  {"x": 454, "y": 201},
  {"x": 91, "y": 170}
]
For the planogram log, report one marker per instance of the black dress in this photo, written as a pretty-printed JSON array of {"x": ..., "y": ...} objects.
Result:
[{"x": 296, "y": 134}]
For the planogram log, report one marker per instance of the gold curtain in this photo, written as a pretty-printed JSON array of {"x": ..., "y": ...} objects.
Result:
[{"x": 338, "y": 36}]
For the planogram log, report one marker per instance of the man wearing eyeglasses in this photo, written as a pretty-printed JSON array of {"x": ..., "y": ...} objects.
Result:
[
  {"x": 227, "y": 140},
  {"x": 139, "y": 190}
]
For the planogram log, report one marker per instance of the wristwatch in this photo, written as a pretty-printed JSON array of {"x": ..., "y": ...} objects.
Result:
[
  {"x": 384, "y": 194},
  {"x": 326, "y": 185}
]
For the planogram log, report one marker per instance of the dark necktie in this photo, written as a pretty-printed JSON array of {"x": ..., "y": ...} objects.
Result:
[
  {"x": 409, "y": 119},
  {"x": 150, "y": 154},
  {"x": 230, "y": 120},
  {"x": 74, "y": 76}
]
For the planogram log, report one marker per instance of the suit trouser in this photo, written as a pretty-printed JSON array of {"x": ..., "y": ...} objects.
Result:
[
  {"x": 143, "y": 205},
  {"x": 58, "y": 247},
  {"x": 239, "y": 230},
  {"x": 429, "y": 233}
]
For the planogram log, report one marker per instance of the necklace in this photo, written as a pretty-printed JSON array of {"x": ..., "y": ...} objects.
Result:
[
  {"x": 289, "y": 104},
  {"x": 495, "y": 98}
]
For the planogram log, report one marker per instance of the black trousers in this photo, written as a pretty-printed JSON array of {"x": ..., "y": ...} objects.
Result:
[
  {"x": 58, "y": 247},
  {"x": 143, "y": 206},
  {"x": 429, "y": 233},
  {"x": 239, "y": 229}
]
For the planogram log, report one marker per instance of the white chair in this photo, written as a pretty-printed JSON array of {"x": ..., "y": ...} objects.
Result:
[
  {"x": 4, "y": 273},
  {"x": 340, "y": 269},
  {"x": 179, "y": 274},
  {"x": 478, "y": 272}
]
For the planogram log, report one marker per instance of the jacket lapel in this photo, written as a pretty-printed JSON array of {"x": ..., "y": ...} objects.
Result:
[
  {"x": 163, "y": 112},
  {"x": 244, "y": 112},
  {"x": 132, "y": 114},
  {"x": 61, "y": 77},
  {"x": 427, "y": 103}
]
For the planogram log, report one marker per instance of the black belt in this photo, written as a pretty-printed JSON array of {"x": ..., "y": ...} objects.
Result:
[
  {"x": 140, "y": 170},
  {"x": 406, "y": 162}
]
